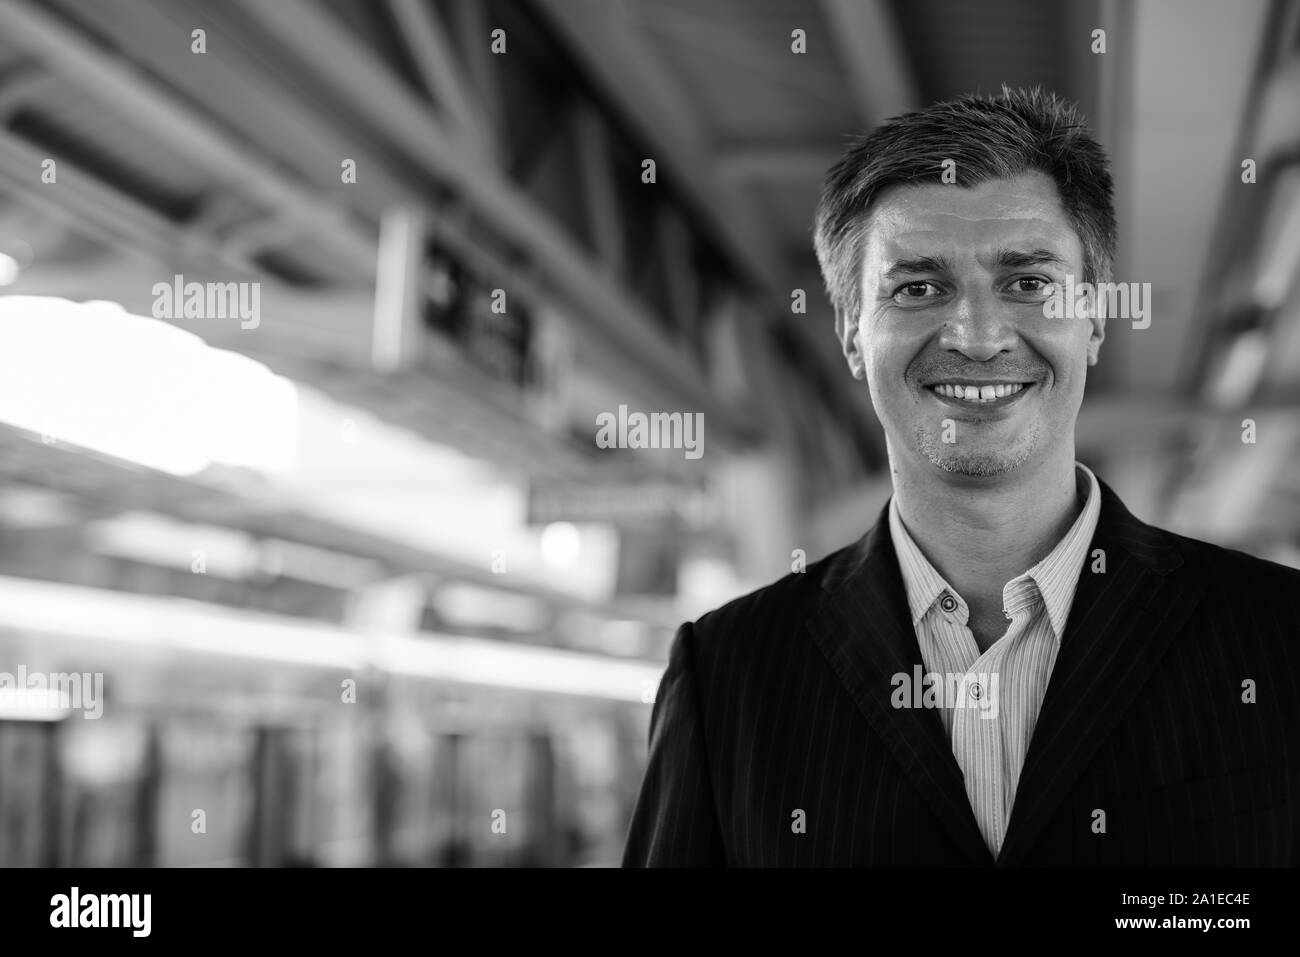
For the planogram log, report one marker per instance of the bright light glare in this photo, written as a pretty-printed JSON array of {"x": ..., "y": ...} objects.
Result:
[
  {"x": 561, "y": 545},
  {"x": 139, "y": 389},
  {"x": 27, "y": 704},
  {"x": 9, "y": 269}
]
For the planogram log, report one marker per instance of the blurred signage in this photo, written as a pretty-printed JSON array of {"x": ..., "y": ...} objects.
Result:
[
  {"x": 491, "y": 327},
  {"x": 645, "y": 504},
  {"x": 430, "y": 302}
]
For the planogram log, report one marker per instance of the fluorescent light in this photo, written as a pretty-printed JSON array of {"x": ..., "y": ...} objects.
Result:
[
  {"x": 561, "y": 545},
  {"x": 30, "y": 704},
  {"x": 157, "y": 540},
  {"x": 172, "y": 624}
]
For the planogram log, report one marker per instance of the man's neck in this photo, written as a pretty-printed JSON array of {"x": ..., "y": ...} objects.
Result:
[{"x": 979, "y": 533}]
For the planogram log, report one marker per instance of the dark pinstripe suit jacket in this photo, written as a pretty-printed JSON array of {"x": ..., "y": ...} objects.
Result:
[{"x": 779, "y": 702}]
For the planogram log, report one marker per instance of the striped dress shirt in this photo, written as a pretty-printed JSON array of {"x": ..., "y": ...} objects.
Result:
[{"x": 990, "y": 702}]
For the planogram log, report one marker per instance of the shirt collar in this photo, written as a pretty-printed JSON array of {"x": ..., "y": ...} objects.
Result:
[
  {"x": 1054, "y": 579},
  {"x": 923, "y": 582}
]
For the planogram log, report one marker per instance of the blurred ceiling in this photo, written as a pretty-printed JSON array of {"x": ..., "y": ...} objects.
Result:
[{"x": 527, "y": 166}]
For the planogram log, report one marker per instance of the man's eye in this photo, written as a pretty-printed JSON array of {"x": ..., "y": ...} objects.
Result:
[
  {"x": 1033, "y": 286},
  {"x": 915, "y": 291}
]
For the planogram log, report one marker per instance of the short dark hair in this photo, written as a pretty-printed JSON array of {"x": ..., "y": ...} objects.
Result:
[{"x": 989, "y": 137}]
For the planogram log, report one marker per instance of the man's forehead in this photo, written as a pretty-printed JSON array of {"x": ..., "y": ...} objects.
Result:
[{"x": 947, "y": 219}]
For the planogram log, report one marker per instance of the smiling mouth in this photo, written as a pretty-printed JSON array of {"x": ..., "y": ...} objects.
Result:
[{"x": 979, "y": 394}]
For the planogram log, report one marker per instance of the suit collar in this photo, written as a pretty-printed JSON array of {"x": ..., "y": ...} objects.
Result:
[
  {"x": 1131, "y": 603},
  {"x": 1127, "y": 607},
  {"x": 864, "y": 628}
]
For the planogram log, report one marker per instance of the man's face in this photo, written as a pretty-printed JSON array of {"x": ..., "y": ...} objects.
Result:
[{"x": 954, "y": 282}]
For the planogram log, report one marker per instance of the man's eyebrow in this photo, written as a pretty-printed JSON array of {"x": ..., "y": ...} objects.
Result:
[
  {"x": 1019, "y": 259},
  {"x": 921, "y": 264}
]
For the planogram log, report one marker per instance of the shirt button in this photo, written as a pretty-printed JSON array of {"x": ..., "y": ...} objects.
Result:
[
  {"x": 975, "y": 691},
  {"x": 948, "y": 603}
]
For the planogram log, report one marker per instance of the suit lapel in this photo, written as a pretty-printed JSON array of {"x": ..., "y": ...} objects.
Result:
[
  {"x": 864, "y": 628},
  {"x": 1120, "y": 624}
]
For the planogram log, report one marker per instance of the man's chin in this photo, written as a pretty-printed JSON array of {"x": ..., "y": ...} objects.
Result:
[
  {"x": 978, "y": 464},
  {"x": 975, "y": 462}
]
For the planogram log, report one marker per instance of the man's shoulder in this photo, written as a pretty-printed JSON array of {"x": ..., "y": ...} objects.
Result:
[
  {"x": 1235, "y": 582},
  {"x": 1238, "y": 569}
]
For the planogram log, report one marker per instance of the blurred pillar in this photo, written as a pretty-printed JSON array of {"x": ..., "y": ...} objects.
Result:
[
  {"x": 762, "y": 495},
  {"x": 262, "y": 849},
  {"x": 386, "y": 790},
  {"x": 53, "y": 794},
  {"x": 145, "y": 805},
  {"x": 455, "y": 851},
  {"x": 543, "y": 847},
  {"x": 391, "y": 606}
]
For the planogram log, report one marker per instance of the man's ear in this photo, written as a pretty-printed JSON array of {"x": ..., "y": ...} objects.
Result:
[
  {"x": 1097, "y": 318},
  {"x": 846, "y": 329}
]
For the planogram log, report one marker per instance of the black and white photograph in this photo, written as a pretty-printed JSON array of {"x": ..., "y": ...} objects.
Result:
[{"x": 518, "y": 435}]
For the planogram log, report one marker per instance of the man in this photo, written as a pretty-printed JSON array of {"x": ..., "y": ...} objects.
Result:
[{"x": 1008, "y": 668}]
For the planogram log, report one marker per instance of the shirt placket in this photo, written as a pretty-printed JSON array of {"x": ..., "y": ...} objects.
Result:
[
  {"x": 976, "y": 737},
  {"x": 977, "y": 744}
]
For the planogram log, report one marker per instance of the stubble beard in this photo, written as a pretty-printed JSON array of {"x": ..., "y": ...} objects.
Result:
[{"x": 974, "y": 462}]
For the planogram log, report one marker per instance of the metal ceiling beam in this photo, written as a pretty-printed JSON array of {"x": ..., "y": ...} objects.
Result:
[
  {"x": 435, "y": 59},
  {"x": 747, "y": 53},
  {"x": 143, "y": 99},
  {"x": 358, "y": 75},
  {"x": 646, "y": 98},
  {"x": 467, "y": 22},
  {"x": 1179, "y": 155},
  {"x": 18, "y": 84},
  {"x": 380, "y": 188},
  {"x": 72, "y": 54},
  {"x": 103, "y": 211},
  {"x": 775, "y": 163},
  {"x": 600, "y": 198},
  {"x": 871, "y": 50},
  {"x": 644, "y": 93}
]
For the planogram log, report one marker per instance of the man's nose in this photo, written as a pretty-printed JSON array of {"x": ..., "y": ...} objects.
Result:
[{"x": 979, "y": 325}]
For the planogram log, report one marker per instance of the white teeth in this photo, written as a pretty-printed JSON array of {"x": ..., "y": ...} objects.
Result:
[{"x": 974, "y": 393}]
